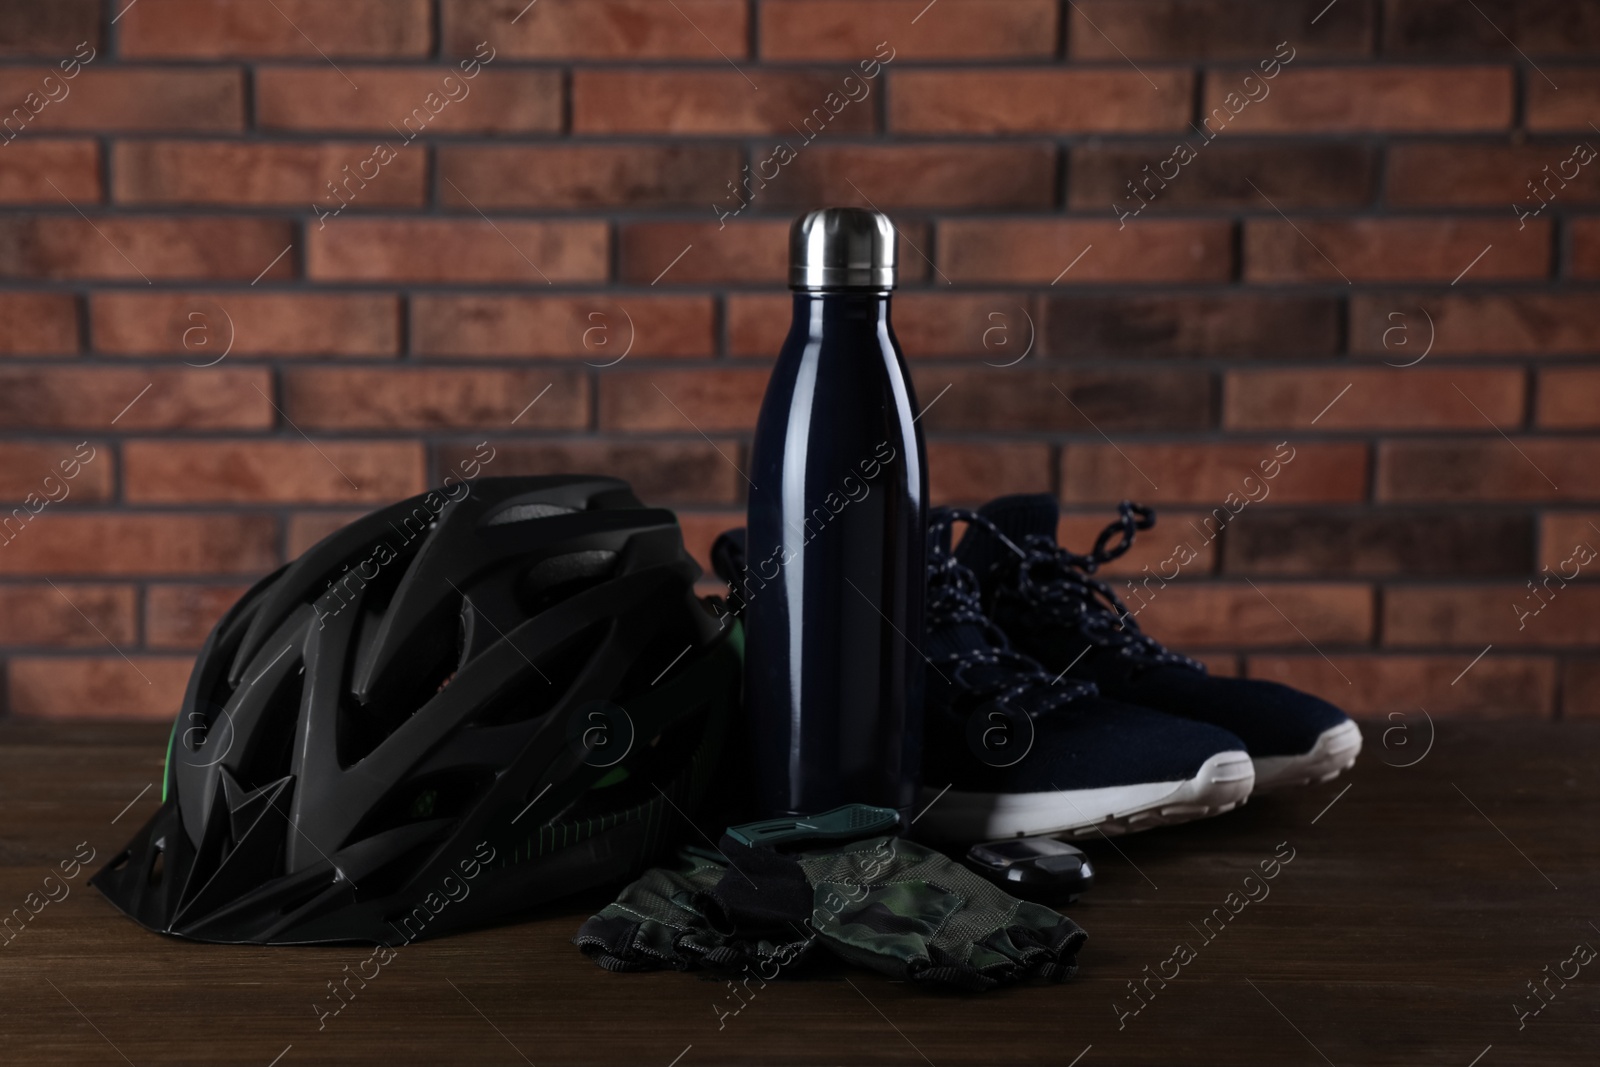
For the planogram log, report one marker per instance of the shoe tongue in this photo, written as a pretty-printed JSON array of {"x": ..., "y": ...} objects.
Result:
[
  {"x": 939, "y": 526},
  {"x": 946, "y": 637},
  {"x": 1020, "y": 516}
]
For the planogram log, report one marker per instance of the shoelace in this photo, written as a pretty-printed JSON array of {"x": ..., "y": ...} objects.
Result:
[
  {"x": 993, "y": 672},
  {"x": 1059, "y": 587}
]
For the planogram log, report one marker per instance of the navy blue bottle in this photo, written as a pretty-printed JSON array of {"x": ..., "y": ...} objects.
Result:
[{"x": 836, "y": 537}]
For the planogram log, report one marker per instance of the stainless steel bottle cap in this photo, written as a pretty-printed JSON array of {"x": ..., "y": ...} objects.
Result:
[{"x": 842, "y": 248}]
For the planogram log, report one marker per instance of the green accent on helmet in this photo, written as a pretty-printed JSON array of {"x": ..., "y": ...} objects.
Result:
[
  {"x": 422, "y": 806},
  {"x": 166, "y": 764},
  {"x": 618, "y": 774}
]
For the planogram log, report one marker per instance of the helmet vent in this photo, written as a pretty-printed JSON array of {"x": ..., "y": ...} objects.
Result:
[
  {"x": 441, "y": 797},
  {"x": 266, "y": 752},
  {"x": 431, "y": 654},
  {"x": 363, "y": 727},
  {"x": 558, "y": 668},
  {"x": 550, "y": 581},
  {"x": 526, "y": 513}
]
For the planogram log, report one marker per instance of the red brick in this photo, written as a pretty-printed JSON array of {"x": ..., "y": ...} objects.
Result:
[
  {"x": 140, "y": 248},
  {"x": 68, "y": 616},
  {"x": 1154, "y": 250},
  {"x": 438, "y": 250},
  {"x": 198, "y": 326},
  {"x": 181, "y": 616},
  {"x": 1473, "y": 324},
  {"x": 307, "y": 528},
  {"x": 1171, "y": 324},
  {"x": 1571, "y": 107},
  {"x": 53, "y": 29},
  {"x": 1561, "y": 532},
  {"x": 1219, "y": 175},
  {"x": 625, "y": 100},
  {"x": 493, "y": 101},
  {"x": 218, "y": 172},
  {"x": 105, "y": 99},
  {"x": 112, "y": 543},
  {"x": 1368, "y": 544},
  {"x": 222, "y": 29},
  {"x": 1580, "y": 689},
  {"x": 1187, "y": 30},
  {"x": 1363, "y": 250},
  {"x": 915, "y": 262},
  {"x": 986, "y": 177},
  {"x": 79, "y": 471},
  {"x": 740, "y": 253},
  {"x": 1468, "y": 173},
  {"x": 1008, "y": 400},
  {"x": 38, "y": 324},
  {"x": 852, "y": 31},
  {"x": 1506, "y": 28},
  {"x": 280, "y": 472},
  {"x": 995, "y": 327},
  {"x": 1399, "y": 688},
  {"x": 598, "y": 29},
  {"x": 1585, "y": 247},
  {"x": 661, "y": 472},
  {"x": 32, "y": 167},
  {"x": 758, "y": 323},
  {"x": 423, "y": 399},
  {"x": 90, "y": 398},
  {"x": 999, "y": 328},
  {"x": 1210, "y": 614},
  {"x": 1569, "y": 398},
  {"x": 97, "y": 687},
  {"x": 1207, "y": 474},
  {"x": 585, "y": 176},
  {"x": 1379, "y": 398},
  {"x": 1489, "y": 469},
  {"x": 689, "y": 402},
  {"x": 1221, "y": 665},
  {"x": 988, "y": 102},
  {"x": 1152, "y": 549},
  {"x": 598, "y": 328},
  {"x": 1358, "y": 99},
  {"x": 1478, "y": 615},
  {"x": 970, "y": 472}
]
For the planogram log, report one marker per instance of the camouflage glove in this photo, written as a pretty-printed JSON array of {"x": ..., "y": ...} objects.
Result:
[
  {"x": 884, "y": 903},
  {"x": 668, "y": 918}
]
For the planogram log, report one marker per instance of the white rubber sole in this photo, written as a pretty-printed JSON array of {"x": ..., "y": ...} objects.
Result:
[
  {"x": 1222, "y": 783},
  {"x": 1334, "y": 753}
]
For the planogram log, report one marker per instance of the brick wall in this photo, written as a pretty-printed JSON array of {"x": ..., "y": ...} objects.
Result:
[{"x": 1101, "y": 297}]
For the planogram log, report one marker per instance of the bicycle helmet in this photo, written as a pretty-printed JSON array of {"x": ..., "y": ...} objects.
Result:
[{"x": 446, "y": 712}]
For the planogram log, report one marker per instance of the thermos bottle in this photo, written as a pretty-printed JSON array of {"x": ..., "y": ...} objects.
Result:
[{"x": 836, "y": 537}]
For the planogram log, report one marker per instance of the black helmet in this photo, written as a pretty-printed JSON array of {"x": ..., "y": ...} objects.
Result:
[{"x": 450, "y": 710}]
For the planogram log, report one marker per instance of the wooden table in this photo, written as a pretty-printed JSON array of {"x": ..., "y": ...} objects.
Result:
[{"x": 1420, "y": 902}]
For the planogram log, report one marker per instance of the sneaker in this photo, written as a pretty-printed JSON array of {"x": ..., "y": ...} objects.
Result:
[
  {"x": 1049, "y": 603},
  {"x": 1011, "y": 750}
]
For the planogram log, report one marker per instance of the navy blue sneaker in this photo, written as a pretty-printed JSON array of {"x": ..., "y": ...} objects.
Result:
[
  {"x": 1049, "y": 603},
  {"x": 1011, "y": 750}
]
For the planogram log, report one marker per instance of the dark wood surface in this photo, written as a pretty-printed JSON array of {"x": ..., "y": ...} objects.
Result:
[{"x": 1416, "y": 910}]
